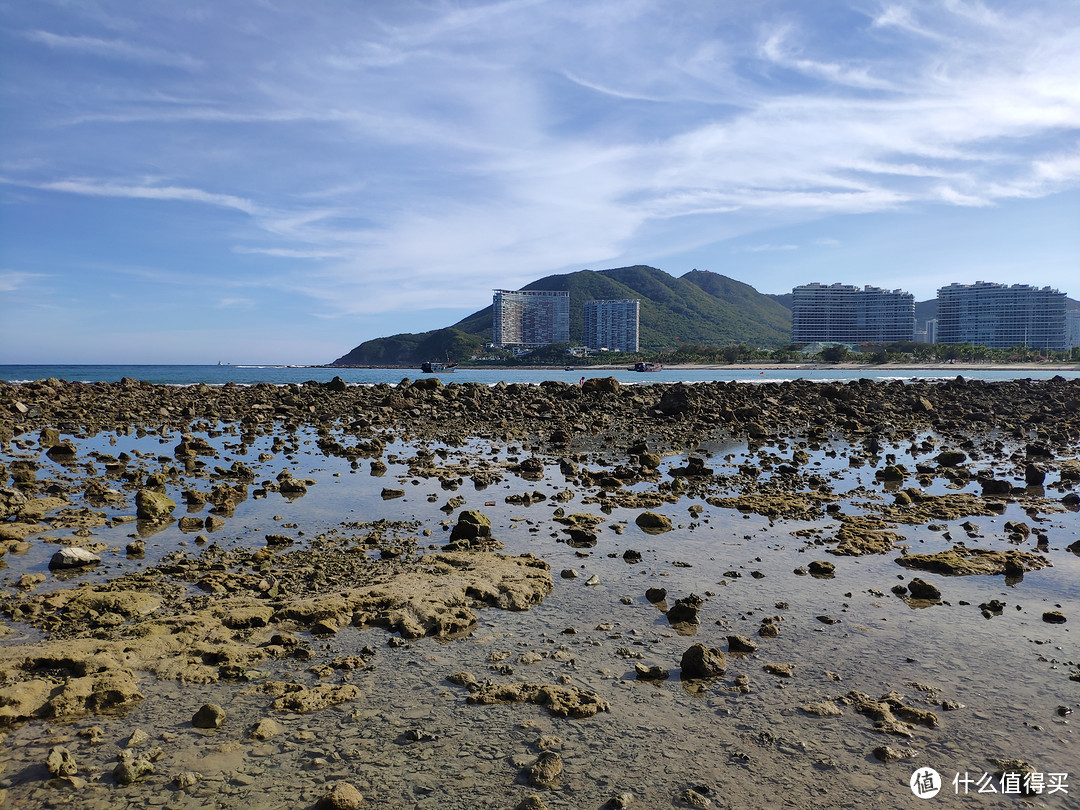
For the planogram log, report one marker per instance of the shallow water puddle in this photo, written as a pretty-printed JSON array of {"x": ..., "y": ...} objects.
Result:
[{"x": 741, "y": 740}]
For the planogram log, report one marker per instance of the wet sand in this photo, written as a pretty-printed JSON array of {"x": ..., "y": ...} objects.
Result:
[{"x": 316, "y": 592}]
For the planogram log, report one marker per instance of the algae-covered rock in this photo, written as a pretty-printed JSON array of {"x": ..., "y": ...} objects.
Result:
[
  {"x": 560, "y": 701},
  {"x": 153, "y": 506},
  {"x": 301, "y": 700},
  {"x": 653, "y": 522},
  {"x": 963, "y": 561}
]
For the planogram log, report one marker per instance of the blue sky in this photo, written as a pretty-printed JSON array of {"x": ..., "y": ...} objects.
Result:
[{"x": 270, "y": 181}]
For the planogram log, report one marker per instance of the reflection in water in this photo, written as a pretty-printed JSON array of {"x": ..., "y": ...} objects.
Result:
[{"x": 993, "y": 678}]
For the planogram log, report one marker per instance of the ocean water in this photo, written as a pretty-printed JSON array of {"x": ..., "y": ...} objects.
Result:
[{"x": 283, "y": 375}]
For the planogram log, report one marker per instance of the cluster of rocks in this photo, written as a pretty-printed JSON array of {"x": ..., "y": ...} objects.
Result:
[
  {"x": 555, "y": 410},
  {"x": 265, "y": 600}
]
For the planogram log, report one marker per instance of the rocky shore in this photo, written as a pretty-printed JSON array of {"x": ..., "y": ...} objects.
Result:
[{"x": 182, "y": 557}]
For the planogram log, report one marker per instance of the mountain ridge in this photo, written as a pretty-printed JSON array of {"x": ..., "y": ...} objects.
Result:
[{"x": 699, "y": 307}]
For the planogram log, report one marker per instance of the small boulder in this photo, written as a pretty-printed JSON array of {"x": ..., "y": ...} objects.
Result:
[
  {"x": 209, "y": 716},
  {"x": 741, "y": 644},
  {"x": 703, "y": 662},
  {"x": 546, "y": 770},
  {"x": 920, "y": 589},
  {"x": 685, "y": 610},
  {"x": 655, "y": 595},
  {"x": 950, "y": 458},
  {"x": 153, "y": 506},
  {"x": 653, "y": 523},
  {"x": 265, "y": 729},
  {"x": 60, "y": 762},
  {"x": 73, "y": 557},
  {"x": 342, "y": 796},
  {"x": 653, "y": 673},
  {"x": 132, "y": 768}
]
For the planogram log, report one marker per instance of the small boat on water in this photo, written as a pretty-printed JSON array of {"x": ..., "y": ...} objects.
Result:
[
  {"x": 434, "y": 367},
  {"x": 648, "y": 367}
]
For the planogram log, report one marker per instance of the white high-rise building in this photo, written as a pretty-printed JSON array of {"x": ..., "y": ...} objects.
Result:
[
  {"x": 1000, "y": 316},
  {"x": 612, "y": 325},
  {"x": 530, "y": 317},
  {"x": 843, "y": 313}
]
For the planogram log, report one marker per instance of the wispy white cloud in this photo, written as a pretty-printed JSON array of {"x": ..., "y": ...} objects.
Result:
[
  {"x": 12, "y": 280},
  {"x": 764, "y": 248},
  {"x": 289, "y": 253},
  {"x": 236, "y": 303},
  {"x": 778, "y": 49},
  {"x": 114, "y": 49},
  {"x": 92, "y": 188}
]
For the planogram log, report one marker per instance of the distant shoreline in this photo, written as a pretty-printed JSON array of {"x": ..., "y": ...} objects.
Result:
[{"x": 760, "y": 367}]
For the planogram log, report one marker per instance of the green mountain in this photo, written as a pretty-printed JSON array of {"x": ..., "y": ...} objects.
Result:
[{"x": 697, "y": 308}]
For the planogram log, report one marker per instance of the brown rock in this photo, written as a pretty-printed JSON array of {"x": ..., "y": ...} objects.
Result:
[
  {"x": 700, "y": 661},
  {"x": 342, "y": 796},
  {"x": 546, "y": 770},
  {"x": 210, "y": 715}
]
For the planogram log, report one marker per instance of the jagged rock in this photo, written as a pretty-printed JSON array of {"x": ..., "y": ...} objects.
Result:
[
  {"x": 888, "y": 753},
  {"x": 741, "y": 644},
  {"x": 132, "y": 768},
  {"x": 821, "y": 568},
  {"x": 695, "y": 466},
  {"x": 950, "y": 458},
  {"x": 994, "y": 486},
  {"x": 921, "y": 589},
  {"x": 675, "y": 400},
  {"x": 561, "y": 701},
  {"x": 685, "y": 609},
  {"x": 63, "y": 451},
  {"x": 780, "y": 670},
  {"x": 963, "y": 561},
  {"x": 601, "y": 385},
  {"x": 60, "y": 762},
  {"x": 692, "y": 798},
  {"x": 1054, "y": 617},
  {"x": 294, "y": 697},
  {"x": 620, "y": 802},
  {"x": 653, "y": 673},
  {"x": 472, "y": 531},
  {"x": 700, "y": 661},
  {"x": 655, "y": 595},
  {"x": 546, "y": 770},
  {"x": 185, "y": 780}
]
